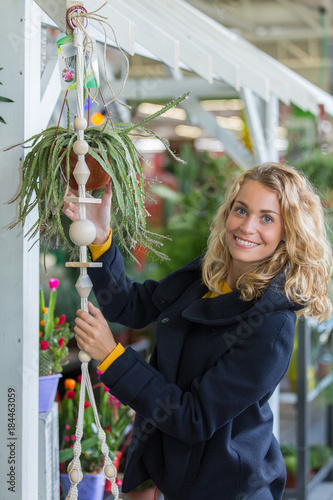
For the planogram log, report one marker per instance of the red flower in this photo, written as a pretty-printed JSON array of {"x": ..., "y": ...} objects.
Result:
[
  {"x": 79, "y": 378},
  {"x": 70, "y": 395},
  {"x": 86, "y": 404},
  {"x": 61, "y": 320},
  {"x": 53, "y": 284},
  {"x": 61, "y": 342},
  {"x": 44, "y": 345}
]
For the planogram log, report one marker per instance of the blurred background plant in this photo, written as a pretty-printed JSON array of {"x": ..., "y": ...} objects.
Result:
[{"x": 54, "y": 334}]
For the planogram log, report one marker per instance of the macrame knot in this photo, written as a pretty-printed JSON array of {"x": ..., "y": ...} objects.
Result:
[
  {"x": 104, "y": 449},
  {"x": 77, "y": 449},
  {"x": 101, "y": 435}
]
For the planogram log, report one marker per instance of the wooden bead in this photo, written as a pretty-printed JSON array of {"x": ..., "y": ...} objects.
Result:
[
  {"x": 82, "y": 232},
  {"x": 109, "y": 471},
  {"x": 75, "y": 476},
  {"x": 80, "y": 147},
  {"x": 84, "y": 357},
  {"x": 80, "y": 123},
  {"x": 81, "y": 172},
  {"x": 84, "y": 286}
]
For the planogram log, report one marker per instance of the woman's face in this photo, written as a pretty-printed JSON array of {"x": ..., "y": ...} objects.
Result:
[{"x": 254, "y": 227}]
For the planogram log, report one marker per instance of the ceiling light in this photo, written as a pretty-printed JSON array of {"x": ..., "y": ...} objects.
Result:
[
  {"x": 147, "y": 108},
  {"x": 149, "y": 145},
  {"x": 188, "y": 131},
  {"x": 230, "y": 122},
  {"x": 208, "y": 144}
]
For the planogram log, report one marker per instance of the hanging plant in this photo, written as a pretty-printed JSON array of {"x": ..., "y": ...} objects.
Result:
[
  {"x": 46, "y": 174},
  {"x": 4, "y": 99}
]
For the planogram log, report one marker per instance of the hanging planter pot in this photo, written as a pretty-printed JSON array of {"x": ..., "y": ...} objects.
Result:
[
  {"x": 111, "y": 146},
  {"x": 48, "y": 386},
  {"x": 98, "y": 176},
  {"x": 91, "y": 487}
]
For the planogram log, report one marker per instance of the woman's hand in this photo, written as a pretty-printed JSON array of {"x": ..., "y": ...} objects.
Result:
[
  {"x": 93, "y": 334},
  {"x": 99, "y": 214}
]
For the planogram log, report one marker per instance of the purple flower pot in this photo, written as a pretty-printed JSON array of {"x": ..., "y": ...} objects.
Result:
[
  {"x": 47, "y": 390},
  {"x": 90, "y": 488}
]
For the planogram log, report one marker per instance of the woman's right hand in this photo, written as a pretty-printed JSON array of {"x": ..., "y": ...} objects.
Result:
[{"x": 99, "y": 214}]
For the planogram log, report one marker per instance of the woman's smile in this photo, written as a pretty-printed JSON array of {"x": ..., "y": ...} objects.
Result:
[{"x": 254, "y": 228}]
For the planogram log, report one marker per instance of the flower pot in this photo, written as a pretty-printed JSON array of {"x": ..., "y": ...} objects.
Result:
[
  {"x": 90, "y": 488},
  {"x": 98, "y": 177},
  {"x": 47, "y": 390}
]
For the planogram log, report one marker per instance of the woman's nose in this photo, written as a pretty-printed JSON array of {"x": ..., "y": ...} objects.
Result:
[{"x": 249, "y": 225}]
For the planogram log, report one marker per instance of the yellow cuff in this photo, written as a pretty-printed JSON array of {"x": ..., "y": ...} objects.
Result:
[
  {"x": 98, "y": 250},
  {"x": 117, "y": 351}
]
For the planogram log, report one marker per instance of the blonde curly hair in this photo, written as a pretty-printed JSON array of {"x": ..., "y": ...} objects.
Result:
[{"x": 305, "y": 255}]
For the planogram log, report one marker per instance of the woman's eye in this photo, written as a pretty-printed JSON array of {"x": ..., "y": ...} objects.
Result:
[
  {"x": 240, "y": 211},
  {"x": 267, "y": 218}
]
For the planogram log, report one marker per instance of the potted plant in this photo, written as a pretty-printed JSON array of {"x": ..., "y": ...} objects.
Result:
[
  {"x": 116, "y": 421},
  {"x": 46, "y": 173},
  {"x": 54, "y": 334}
]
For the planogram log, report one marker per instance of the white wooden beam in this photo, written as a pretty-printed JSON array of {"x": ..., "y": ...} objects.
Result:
[
  {"x": 20, "y": 39},
  {"x": 233, "y": 148},
  {"x": 56, "y": 11},
  {"x": 155, "y": 88},
  {"x": 192, "y": 54},
  {"x": 149, "y": 34},
  {"x": 50, "y": 89},
  {"x": 255, "y": 126}
]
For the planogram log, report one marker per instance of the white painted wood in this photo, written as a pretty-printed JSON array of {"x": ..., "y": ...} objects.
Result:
[
  {"x": 192, "y": 54},
  {"x": 164, "y": 88},
  {"x": 123, "y": 26},
  {"x": 56, "y": 11},
  {"x": 50, "y": 89},
  {"x": 233, "y": 148},
  {"x": 48, "y": 454},
  {"x": 20, "y": 40},
  {"x": 255, "y": 126},
  {"x": 149, "y": 33}
]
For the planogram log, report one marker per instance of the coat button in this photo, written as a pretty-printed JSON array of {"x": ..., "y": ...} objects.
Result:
[
  {"x": 165, "y": 320},
  {"x": 163, "y": 302}
]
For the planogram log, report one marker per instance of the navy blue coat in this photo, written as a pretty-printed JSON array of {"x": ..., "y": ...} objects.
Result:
[{"x": 203, "y": 427}]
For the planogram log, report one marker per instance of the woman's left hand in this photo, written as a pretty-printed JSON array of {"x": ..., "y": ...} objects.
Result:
[{"x": 93, "y": 334}]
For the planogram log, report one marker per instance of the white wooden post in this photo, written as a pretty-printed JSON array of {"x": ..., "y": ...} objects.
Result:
[{"x": 20, "y": 58}]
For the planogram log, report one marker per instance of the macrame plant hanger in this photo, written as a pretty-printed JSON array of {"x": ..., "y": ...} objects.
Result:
[{"x": 83, "y": 232}]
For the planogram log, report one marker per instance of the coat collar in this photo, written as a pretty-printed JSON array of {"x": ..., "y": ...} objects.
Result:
[{"x": 225, "y": 309}]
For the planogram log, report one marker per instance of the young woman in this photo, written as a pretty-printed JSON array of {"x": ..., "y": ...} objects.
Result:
[{"x": 224, "y": 338}]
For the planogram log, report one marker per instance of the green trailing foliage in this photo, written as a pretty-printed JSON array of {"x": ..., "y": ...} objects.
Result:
[
  {"x": 4, "y": 99},
  {"x": 112, "y": 146}
]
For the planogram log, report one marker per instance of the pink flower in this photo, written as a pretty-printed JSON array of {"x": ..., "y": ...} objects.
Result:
[
  {"x": 106, "y": 389},
  {"x": 68, "y": 75},
  {"x": 73, "y": 437},
  {"x": 113, "y": 401},
  {"x": 53, "y": 284},
  {"x": 67, "y": 427},
  {"x": 99, "y": 372},
  {"x": 86, "y": 404},
  {"x": 66, "y": 438},
  {"x": 61, "y": 342},
  {"x": 44, "y": 345},
  {"x": 61, "y": 320}
]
